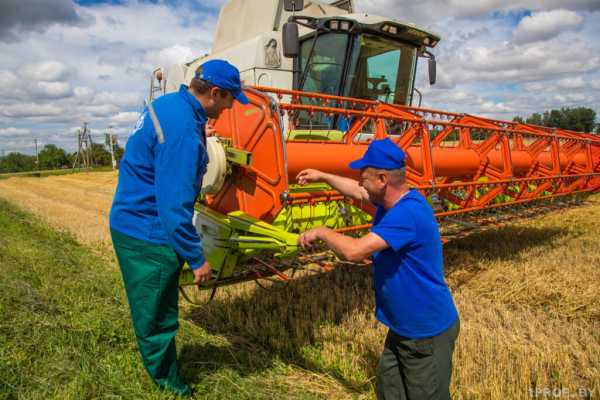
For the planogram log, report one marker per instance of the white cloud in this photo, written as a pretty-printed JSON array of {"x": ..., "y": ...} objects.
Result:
[
  {"x": 12, "y": 131},
  {"x": 577, "y": 97},
  {"x": 168, "y": 56},
  {"x": 7, "y": 79},
  {"x": 507, "y": 62},
  {"x": 51, "y": 90},
  {"x": 565, "y": 85},
  {"x": 83, "y": 91},
  {"x": 595, "y": 84},
  {"x": 535, "y": 86},
  {"x": 428, "y": 13},
  {"x": 493, "y": 107},
  {"x": 546, "y": 25},
  {"x": 571, "y": 83},
  {"x": 568, "y": 99},
  {"x": 125, "y": 118},
  {"x": 24, "y": 87},
  {"x": 101, "y": 110},
  {"x": 46, "y": 71},
  {"x": 10, "y": 85},
  {"x": 21, "y": 110},
  {"x": 119, "y": 99},
  {"x": 459, "y": 96}
]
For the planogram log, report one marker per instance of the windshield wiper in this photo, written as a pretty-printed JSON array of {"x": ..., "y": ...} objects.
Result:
[{"x": 308, "y": 63}]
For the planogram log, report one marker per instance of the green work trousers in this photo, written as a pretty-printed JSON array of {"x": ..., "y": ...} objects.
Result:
[
  {"x": 416, "y": 369},
  {"x": 151, "y": 276}
]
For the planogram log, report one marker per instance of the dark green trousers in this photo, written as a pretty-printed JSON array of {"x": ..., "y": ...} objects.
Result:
[
  {"x": 151, "y": 276},
  {"x": 416, "y": 369}
]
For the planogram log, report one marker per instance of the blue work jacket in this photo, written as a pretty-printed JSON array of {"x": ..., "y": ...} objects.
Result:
[{"x": 159, "y": 182}]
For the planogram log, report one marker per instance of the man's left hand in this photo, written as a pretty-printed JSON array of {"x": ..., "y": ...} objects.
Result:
[
  {"x": 202, "y": 274},
  {"x": 307, "y": 238}
]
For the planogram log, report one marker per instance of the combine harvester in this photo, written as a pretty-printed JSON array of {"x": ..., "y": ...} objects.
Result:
[{"x": 343, "y": 80}]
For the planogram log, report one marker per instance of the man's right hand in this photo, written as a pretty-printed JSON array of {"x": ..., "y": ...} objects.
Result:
[
  {"x": 346, "y": 186},
  {"x": 310, "y": 175},
  {"x": 202, "y": 274},
  {"x": 209, "y": 130}
]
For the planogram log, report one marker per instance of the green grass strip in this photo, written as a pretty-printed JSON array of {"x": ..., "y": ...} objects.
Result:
[
  {"x": 65, "y": 331},
  {"x": 64, "y": 323}
]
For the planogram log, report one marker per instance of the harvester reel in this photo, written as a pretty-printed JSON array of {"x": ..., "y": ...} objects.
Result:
[{"x": 216, "y": 170}]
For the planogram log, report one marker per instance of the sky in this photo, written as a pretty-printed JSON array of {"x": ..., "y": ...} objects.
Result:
[{"x": 64, "y": 63}]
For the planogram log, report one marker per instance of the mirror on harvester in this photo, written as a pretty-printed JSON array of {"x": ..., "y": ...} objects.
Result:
[
  {"x": 291, "y": 42},
  {"x": 432, "y": 70},
  {"x": 293, "y": 5}
]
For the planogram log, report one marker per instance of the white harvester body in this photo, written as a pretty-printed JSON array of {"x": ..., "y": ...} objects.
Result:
[{"x": 249, "y": 35}]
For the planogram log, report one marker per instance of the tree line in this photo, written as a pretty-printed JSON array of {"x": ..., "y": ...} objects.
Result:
[
  {"x": 581, "y": 119},
  {"x": 54, "y": 157}
]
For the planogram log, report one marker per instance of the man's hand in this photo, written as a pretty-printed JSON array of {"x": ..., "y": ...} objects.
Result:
[
  {"x": 202, "y": 274},
  {"x": 209, "y": 130},
  {"x": 307, "y": 238},
  {"x": 309, "y": 175}
]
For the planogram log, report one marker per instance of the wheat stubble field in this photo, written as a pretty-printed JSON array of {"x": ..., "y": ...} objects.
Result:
[{"x": 528, "y": 295}]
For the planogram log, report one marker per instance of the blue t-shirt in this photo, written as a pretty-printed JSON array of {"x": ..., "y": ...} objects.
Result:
[
  {"x": 159, "y": 182},
  {"x": 411, "y": 295}
]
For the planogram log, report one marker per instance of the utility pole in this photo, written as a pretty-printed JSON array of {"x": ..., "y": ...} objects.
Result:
[
  {"x": 84, "y": 148},
  {"x": 37, "y": 157},
  {"x": 111, "y": 147},
  {"x": 76, "y": 161}
]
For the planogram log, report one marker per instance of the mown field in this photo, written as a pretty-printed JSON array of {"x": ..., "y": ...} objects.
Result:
[
  {"x": 51, "y": 172},
  {"x": 528, "y": 295}
]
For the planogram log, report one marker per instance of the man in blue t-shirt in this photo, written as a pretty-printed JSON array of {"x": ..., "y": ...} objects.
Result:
[
  {"x": 411, "y": 296},
  {"x": 160, "y": 177}
]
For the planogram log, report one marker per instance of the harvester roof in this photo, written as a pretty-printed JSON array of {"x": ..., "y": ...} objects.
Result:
[
  {"x": 394, "y": 29},
  {"x": 241, "y": 20}
]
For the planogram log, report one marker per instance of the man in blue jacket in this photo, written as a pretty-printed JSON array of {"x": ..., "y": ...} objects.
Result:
[
  {"x": 160, "y": 177},
  {"x": 411, "y": 296}
]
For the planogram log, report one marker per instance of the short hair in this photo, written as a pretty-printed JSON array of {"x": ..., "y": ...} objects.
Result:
[
  {"x": 200, "y": 86},
  {"x": 397, "y": 176}
]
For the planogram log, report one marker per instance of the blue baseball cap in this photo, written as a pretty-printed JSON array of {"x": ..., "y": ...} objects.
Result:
[
  {"x": 223, "y": 75},
  {"x": 382, "y": 154}
]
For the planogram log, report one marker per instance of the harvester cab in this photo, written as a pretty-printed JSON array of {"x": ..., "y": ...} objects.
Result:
[{"x": 359, "y": 56}]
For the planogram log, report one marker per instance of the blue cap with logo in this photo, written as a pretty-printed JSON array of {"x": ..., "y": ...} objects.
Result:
[
  {"x": 382, "y": 154},
  {"x": 223, "y": 75}
]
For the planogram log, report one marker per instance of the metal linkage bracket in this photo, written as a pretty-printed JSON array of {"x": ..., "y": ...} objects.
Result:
[{"x": 236, "y": 156}]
